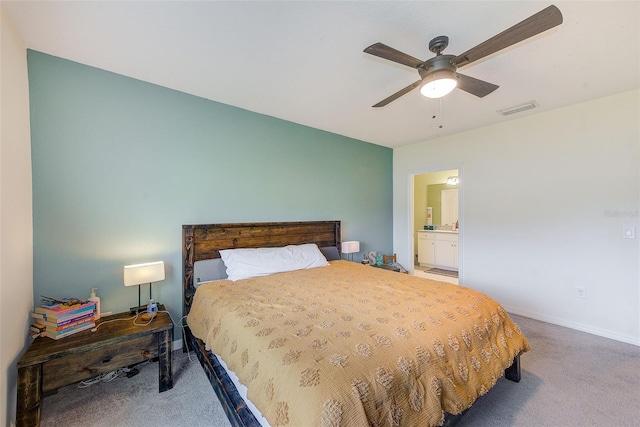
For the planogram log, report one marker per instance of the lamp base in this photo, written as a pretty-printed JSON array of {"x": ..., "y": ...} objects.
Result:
[
  {"x": 146, "y": 317},
  {"x": 142, "y": 309},
  {"x": 138, "y": 310}
]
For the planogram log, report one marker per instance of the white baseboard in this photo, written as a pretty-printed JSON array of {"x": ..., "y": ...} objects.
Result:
[
  {"x": 629, "y": 339},
  {"x": 177, "y": 344}
]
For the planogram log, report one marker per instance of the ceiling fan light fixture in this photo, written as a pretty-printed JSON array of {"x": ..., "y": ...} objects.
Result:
[
  {"x": 453, "y": 180},
  {"x": 439, "y": 84}
]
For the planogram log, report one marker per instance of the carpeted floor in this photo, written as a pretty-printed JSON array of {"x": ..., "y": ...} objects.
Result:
[
  {"x": 135, "y": 402},
  {"x": 569, "y": 378}
]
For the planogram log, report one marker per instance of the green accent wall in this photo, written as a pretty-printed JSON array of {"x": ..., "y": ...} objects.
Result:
[{"x": 120, "y": 164}]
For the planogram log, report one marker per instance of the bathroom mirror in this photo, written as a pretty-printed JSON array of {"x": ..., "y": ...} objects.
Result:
[{"x": 443, "y": 201}]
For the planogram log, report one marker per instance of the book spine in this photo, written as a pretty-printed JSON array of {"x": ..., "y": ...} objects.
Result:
[
  {"x": 37, "y": 315},
  {"x": 60, "y": 309},
  {"x": 55, "y": 331},
  {"x": 54, "y": 328},
  {"x": 57, "y": 317},
  {"x": 36, "y": 329},
  {"x": 71, "y": 331},
  {"x": 59, "y": 322}
]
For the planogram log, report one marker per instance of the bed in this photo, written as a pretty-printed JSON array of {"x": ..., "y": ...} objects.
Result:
[{"x": 341, "y": 344}]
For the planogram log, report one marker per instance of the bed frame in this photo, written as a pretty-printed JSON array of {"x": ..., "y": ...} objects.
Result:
[{"x": 202, "y": 242}]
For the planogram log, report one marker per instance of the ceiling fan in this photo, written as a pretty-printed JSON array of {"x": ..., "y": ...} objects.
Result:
[{"x": 439, "y": 76}]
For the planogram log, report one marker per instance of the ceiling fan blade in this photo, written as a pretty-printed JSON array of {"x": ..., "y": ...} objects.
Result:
[
  {"x": 383, "y": 51},
  {"x": 476, "y": 87},
  {"x": 398, "y": 94},
  {"x": 535, "y": 24}
]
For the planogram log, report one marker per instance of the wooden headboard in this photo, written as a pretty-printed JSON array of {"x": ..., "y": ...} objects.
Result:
[{"x": 200, "y": 242}]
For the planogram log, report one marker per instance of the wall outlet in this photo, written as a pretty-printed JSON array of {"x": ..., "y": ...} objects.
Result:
[
  {"x": 581, "y": 292},
  {"x": 629, "y": 232}
]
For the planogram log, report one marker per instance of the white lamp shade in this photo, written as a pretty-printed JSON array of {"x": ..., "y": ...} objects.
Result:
[
  {"x": 439, "y": 84},
  {"x": 149, "y": 272},
  {"x": 350, "y": 247}
]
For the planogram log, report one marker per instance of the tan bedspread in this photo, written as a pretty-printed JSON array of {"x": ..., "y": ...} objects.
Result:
[{"x": 351, "y": 345}]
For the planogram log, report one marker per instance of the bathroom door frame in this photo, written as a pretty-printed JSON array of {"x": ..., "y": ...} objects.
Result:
[{"x": 411, "y": 211}]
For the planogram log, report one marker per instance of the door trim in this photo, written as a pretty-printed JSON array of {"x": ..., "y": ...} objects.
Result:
[{"x": 411, "y": 211}]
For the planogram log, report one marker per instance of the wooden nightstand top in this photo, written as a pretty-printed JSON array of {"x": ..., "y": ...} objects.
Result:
[{"x": 43, "y": 349}]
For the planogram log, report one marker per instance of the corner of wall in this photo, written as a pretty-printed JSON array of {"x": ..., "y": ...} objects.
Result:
[{"x": 16, "y": 212}]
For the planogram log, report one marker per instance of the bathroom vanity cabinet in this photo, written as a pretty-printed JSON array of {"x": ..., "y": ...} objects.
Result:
[{"x": 438, "y": 248}]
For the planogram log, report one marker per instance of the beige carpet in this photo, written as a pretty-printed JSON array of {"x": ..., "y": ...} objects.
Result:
[
  {"x": 135, "y": 402},
  {"x": 569, "y": 378}
]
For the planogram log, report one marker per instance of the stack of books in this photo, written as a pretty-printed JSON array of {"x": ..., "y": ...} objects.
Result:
[
  {"x": 60, "y": 318},
  {"x": 38, "y": 328}
]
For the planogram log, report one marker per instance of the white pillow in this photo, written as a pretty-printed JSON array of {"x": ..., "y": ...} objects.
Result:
[{"x": 246, "y": 263}]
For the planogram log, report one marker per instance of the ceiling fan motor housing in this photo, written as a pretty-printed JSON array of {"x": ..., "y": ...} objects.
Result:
[
  {"x": 438, "y": 44},
  {"x": 436, "y": 64}
]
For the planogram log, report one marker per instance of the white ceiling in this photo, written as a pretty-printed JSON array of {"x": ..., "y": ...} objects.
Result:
[{"x": 304, "y": 61}]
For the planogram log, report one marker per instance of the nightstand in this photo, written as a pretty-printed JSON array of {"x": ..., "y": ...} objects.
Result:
[
  {"x": 390, "y": 267},
  {"x": 49, "y": 364}
]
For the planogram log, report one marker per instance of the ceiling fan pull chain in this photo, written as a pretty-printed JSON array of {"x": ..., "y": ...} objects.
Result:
[{"x": 439, "y": 114}]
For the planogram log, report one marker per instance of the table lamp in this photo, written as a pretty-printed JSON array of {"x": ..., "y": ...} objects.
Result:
[
  {"x": 350, "y": 248},
  {"x": 137, "y": 274}
]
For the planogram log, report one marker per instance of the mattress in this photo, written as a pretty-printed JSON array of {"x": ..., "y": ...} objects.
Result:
[{"x": 348, "y": 344}]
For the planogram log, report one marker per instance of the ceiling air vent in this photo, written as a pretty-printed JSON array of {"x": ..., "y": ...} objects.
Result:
[{"x": 518, "y": 108}]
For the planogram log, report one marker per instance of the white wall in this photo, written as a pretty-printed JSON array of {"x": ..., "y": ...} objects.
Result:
[
  {"x": 16, "y": 235},
  {"x": 544, "y": 201}
]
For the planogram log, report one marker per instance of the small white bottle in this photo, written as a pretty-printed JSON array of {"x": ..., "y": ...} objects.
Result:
[
  {"x": 152, "y": 308},
  {"x": 95, "y": 298}
]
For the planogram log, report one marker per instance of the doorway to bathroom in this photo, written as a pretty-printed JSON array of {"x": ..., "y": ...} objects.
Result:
[{"x": 437, "y": 231}]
